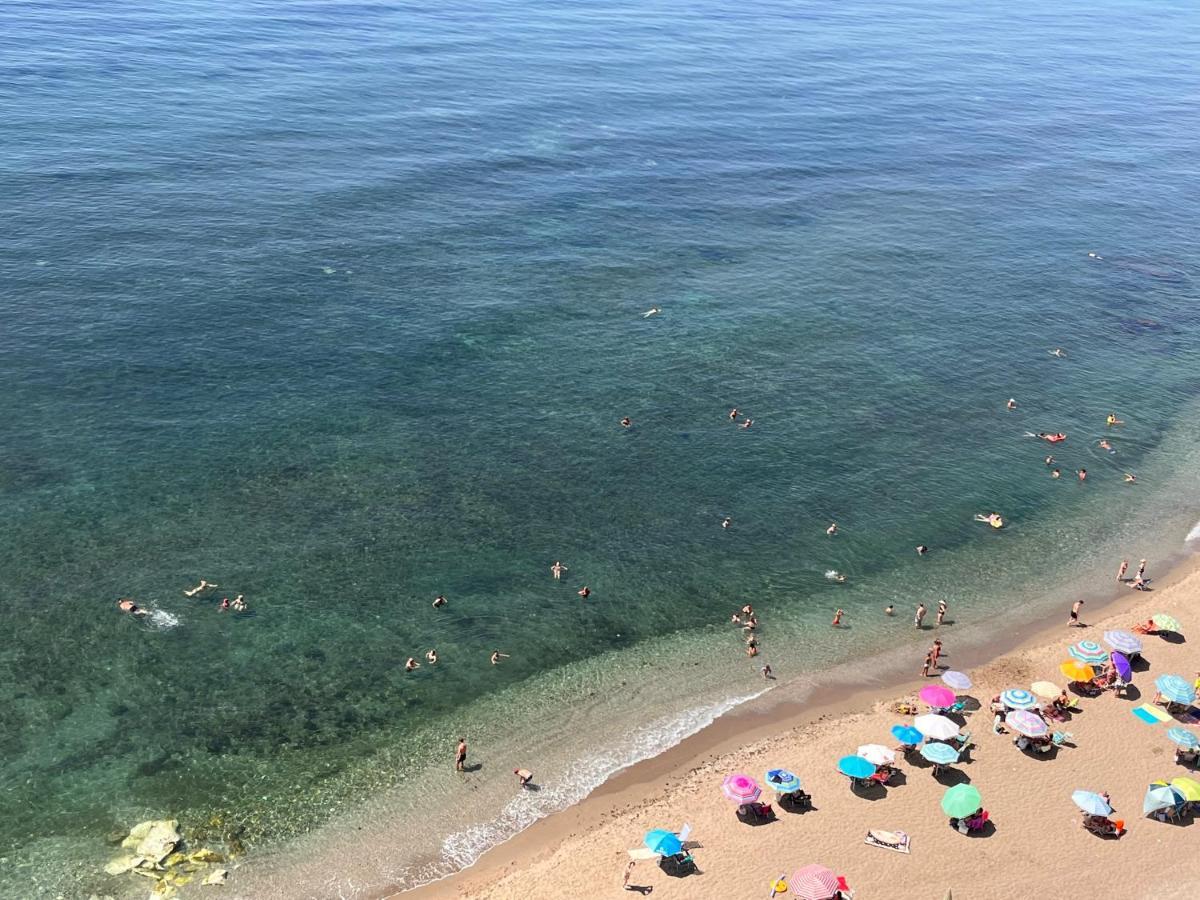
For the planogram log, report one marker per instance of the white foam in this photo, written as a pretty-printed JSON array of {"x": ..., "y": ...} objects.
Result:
[
  {"x": 1193, "y": 535},
  {"x": 161, "y": 619}
]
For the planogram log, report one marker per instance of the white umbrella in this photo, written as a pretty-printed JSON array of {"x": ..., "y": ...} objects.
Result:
[
  {"x": 937, "y": 727},
  {"x": 877, "y": 754}
]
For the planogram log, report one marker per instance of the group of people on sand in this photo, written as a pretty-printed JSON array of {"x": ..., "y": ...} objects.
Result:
[{"x": 237, "y": 604}]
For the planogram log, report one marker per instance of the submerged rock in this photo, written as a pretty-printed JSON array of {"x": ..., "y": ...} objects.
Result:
[
  {"x": 122, "y": 864},
  {"x": 204, "y": 855},
  {"x": 154, "y": 839},
  {"x": 217, "y": 877}
]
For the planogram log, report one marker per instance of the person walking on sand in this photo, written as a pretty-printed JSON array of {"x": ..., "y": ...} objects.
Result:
[
  {"x": 1073, "y": 622},
  {"x": 557, "y": 569},
  {"x": 928, "y": 663},
  {"x": 460, "y": 755},
  {"x": 837, "y": 618},
  {"x": 1121, "y": 571},
  {"x": 941, "y": 611},
  {"x": 920, "y": 617}
]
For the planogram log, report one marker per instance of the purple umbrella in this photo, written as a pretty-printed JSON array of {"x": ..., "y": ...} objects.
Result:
[{"x": 1124, "y": 672}]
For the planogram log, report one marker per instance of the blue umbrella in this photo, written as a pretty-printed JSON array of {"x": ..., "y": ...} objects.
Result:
[
  {"x": 855, "y": 767},
  {"x": 1161, "y": 797},
  {"x": 906, "y": 734},
  {"x": 1183, "y": 738},
  {"x": 1091, "y": 803},
  {"x": 1019, "y": 698},
  {"x": 1124, "y": 671},
  {"x": 782, "y": 781},
  {"x": 940, "y": 754},
  {"x": 663, "y": 842},
  {"x": 1175, "y": 688}
]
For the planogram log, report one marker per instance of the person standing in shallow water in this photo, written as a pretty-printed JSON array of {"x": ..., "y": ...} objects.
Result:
[
  {"x": 460, "y": 755},
  {"x": 941, "y": 611},
  {"x": 1121, "y": 571},
  {"x": 920, "y": 617}
]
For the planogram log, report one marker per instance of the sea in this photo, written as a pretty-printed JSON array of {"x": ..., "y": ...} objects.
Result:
[{"x": 340, "y": 305}]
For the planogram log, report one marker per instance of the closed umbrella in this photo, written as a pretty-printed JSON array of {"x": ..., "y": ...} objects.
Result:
[
  {"x": 1160, "y": 796},
  {"x": 740, "y": 788},
  {"x": 1175, "y": 688},
  {"x": 663, "y": 842},
  {"x": 906, "y": 734},
  {"x": 877, "y": 754},
  {"x": 782, "y": 781},
  {"x": 1183, "y": 738},
  {"x": 1091, "y": 803},
  {"x": 939, "y": 728},
  {"x": 961, "y": 800},
  {"x": 937, "y": 696},
  {"x": 1044, "y": 689},
  {"x": 813, "y": 882},
  {"x": 1121, "y": 664},
  {"x": 957, "y": 680},
  {"x": 1018, "y": 698},
  {"x": 1188, "y": 788},
  {"x": 856, "y": 767},
  {"x": 1026, "y": 723},
  {"x": 1123, "y": 641},
  {"x": 940, "y": 754},
  {"x": 1163, "y": 622},
  {"x": 1088, "y": 652},
  {"x": 1076, "y": 670}
]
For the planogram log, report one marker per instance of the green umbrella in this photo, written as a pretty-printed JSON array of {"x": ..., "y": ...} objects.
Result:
[{"x": 961, "y": 801}]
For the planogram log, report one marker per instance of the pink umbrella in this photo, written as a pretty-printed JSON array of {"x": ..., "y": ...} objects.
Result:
[
  {"x": 740, "y": 788},
  {"x": 937, "y": 696},
  {"x": 813, "y": 882}
]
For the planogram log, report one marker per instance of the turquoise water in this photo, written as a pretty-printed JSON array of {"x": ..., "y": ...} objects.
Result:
[{"x": 339, "y": 305}]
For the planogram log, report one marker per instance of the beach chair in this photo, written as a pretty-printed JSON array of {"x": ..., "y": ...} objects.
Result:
[
  {"x": 1103, "y": 827},
  {"x": 1072, "y": 705},
  {"x": 881, "y": 776},
  {"x": 755, "y": 813},
  {"x": 1059, "y": 738},
  {"x": 678, "y": 866},
  {"x": 797, "y": 801}
]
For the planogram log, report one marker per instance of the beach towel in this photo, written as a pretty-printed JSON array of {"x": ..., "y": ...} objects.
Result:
[
  {"x": 1151, "y": 714},
  {"x": 888, "y": 840}
]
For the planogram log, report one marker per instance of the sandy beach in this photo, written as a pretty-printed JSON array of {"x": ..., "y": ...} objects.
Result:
[{"x": 1037, "y": 840}]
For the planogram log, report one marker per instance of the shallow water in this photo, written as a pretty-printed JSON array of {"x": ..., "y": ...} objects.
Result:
[{"x": 339, "y": 305}]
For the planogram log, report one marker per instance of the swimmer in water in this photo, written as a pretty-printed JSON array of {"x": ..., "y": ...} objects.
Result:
[
  {"x": 889, "y": 610},
  {"x": 198, "y": 588},
  {"x": 727, "y": 521},
  {"x": 439, "y": 601},
  {"x": 832, "y": 529},
  {"x": 733, "y": 414},
  {"x": 1082, "y": 473},
  {"x": 1130, "y": 478},
  {"x": 431, "y": 656},
  {"x": 835, "y": 576},
  {"x": 1105, "y": 445},
  {"x": 224, "y": 604},
  {"x": 922, "y": 549},
  {"x": 584, "y": 592},
  {"x": 837, "y": 618},
  {"x": 128, "y": 606},
  {"x": 1113, "y": 420},
  {"x": 1011, "y": 404},
  {"x": 497, "y": 656},
  {"x": 747, "y": 610},
  {"x": 1059, "y": 352},
  {"x": 735, "y": 619},
  {"x": 652, "y": 311},
  {"x": 1049, "y": 460},
  {"x": 239, "y": 604},
  {"x": 411, "y": 664},
  {"x": 626, "y": 422},
  {"x": 747, "y": 423},
  {"x": 1056, "y": 473},
  {"x": 1095, "y": 255},
  {"x": 557, "y": 569}
]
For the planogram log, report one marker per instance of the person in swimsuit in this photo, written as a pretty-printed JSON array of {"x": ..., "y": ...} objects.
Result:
[
  {"x": 524, "y": 776},
  {"x": 747, "y": 610},
  {"x": 128, "y": 606},
  {"x": 1082, "y": 473},
  {"x": 941, "y": 611},
  {"x": 224, "y": 604},
  {"x": 922, "y": 549},
  {"x": 768, "y": 674},
  {"x": 1121, "y": 571},
  {"x": 497, "y": 656},
  {"x": 439, "y": 601},
  {"x": 1113, "y": 420},
  {"x": 927, "y": 664},
  {"x": 584, "y": 592},
  {"x": 198, "y": 588},
  {"x": 431, "y": 656},
  {"x": 460, "y": 755},
  {"x": 1130, "y": 478},
  {"x": 239, "y": 605},
  {"x": 626, "y": 422},
  {"x": 1011, "y": 404},
  {"x": 1073, "y": 622},
  {"x": 837, "y": 618},
  {"x": 557, "y": 569},
  {"x": 832, "y": 529},
  {"x": 1056, "y": 473},
  {"x": 1141, "y": 569},
  {"x": 1105, "y": 445},
  {"x": 733, "y": 414},
  {"x": 920, "y": 616},
  {"x": 889, "y": 610},
  {"x": 936, "y": 650},
  {"x": 411, "y": 664},
  {"x": 747, "y": 423},
  {"x": 652, "y": 311}
]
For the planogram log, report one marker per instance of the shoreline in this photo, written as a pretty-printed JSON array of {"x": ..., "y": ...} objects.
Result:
[{"x": 769, "y": 718}]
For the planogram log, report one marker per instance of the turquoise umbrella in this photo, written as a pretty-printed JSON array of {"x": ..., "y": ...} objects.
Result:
[
  {"x": 663, "y": 842},
  {"x": 1175, "y": 688},
  {"x": 1161, "y": 797},
  {"x": 782, "y": 781},
  {"x": 855, "y": 767},
  {"x": 940, "y": 754},
  {"x": 1183, "y": 738},
  {"x": 906, "y": 734}
]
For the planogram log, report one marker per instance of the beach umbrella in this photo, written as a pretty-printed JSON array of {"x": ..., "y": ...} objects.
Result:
[
  {"x": 877, "y": 754},
  {"x": 1175, "y": 688},
  {"x": 782, "y": 781},
  {"x": 813, "y": 882},
  {"x": 1163, "y": 622},
  {"x": 961, "y": 800},
  {"x": 740, "y": 788},
  {"x": 1044, "y": 689},
  {"x": 939, "y": 728},
  {"x": 1121, "y": 664},
  {"x": 1076, "y": 670},
  {"x": 957, "y": 680},
  {"x": 856, "y": 767},
  {"x": 1188, "y": 788},
  {"x": 1026, "y": 723},
  {"x": 663, "y": 842},
  {"x": 1123, "y": 641},
  {"x": 1091, "y": 803},
  {"x": 1088, "y": 652},
  {"x": 936, "y": 695},
  {"x": 1160, "y": 796},
  {"x": 940, "y": 754},
  {"x": 1018, "y": 698},
  {"x": 906, "y": 734},
  {"x": 1183, "y": 738}
]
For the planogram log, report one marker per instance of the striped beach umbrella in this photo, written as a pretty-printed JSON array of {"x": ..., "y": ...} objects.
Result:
[
  {"x": 1163, "y": 622},
  {"x": 740, "y": 788},
  {"x": 959, "y": 681},
  {"x": 940, "y": 754},
  {"x": 1123, "y": 641},
  {"x": 1175, "y": 688},
  {"x": 906, "y": 734},
  {"x": 1183, "y": 738},
  {"x": 782, "y": 781},
  {"x": 1088, "y": 652},
  {"x": 1160, "y": 796},
  {"x": 937, "y": 696},
  {"x": 1091, "y": 803},
  {"x": 1076, "y": 670},
  {"x": 813, "y": 882},
  {"x": 1019, "y": 698},
  {"x": 939, "y": 728},
  {"x": 1026, "y": 723}
]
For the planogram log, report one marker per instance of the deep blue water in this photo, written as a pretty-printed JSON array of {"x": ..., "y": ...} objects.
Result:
[{"x": 339, "y": 305}]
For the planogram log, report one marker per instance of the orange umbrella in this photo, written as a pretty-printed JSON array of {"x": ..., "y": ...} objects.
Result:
[{"x": 1076, "y": 670}]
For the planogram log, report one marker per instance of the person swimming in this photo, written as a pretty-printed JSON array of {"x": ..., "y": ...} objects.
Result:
[
  {"x": 126, "y": 605},
  {"x": 411, "y": 664},
  {"x": 1105, "y": 445},
  {"x": 993, "y": 519},
  {"x": 747, "y": 423},
  {"x": 1051, "y": 438},
  {"x": 733, "y": 414},
  {"x": 1113, "y": 420},
  {"x": 198, "y": 588},
  {"x": 557, "y": 569},
  {"x": 832, "y": 529},
  {"x": 584, "y": 592},
  {"x": 727, "y": 521},
  {"x": 652, "y": 311},
  {"x": 497, "y": 656},
  {"x": 922, "y": 549},
  {"x": 1011, "y": 404},
  {"x": 439, "y": 601},
  {"x": 889, "y": 610},
  {"x": 1130, "y": 478},
  {"x": 431, "y": 656},
  {"x": 1056, "y": 473},
  {"x": 1082, "y": 473},
  {"x": 835, "y": 576},
  {"x": 1059, "y": 352},
  {"x": 626, "y": 422},
  {"x": 238, "y": 604},
  {"x": 224, "y": 607}
]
